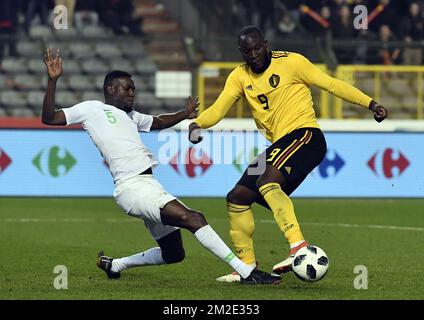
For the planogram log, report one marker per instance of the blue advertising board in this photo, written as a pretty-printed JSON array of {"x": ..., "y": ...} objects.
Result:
[{"x": 66, "y": 163}]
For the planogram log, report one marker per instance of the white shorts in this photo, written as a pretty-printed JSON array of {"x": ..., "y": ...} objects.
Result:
[{"x": 143, "y": 196}]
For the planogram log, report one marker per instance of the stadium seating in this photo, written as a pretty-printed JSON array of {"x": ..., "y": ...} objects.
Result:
[
  {"x": 88, "y": 54},
  {"x": 82, "y": 50},
  {"x": 95, "y": 32},
  {"x": 12, "y": 99},
  {"x": 35, "y": 101},
  {"x": 14, "y": 65},
  {"x": 81, "y": 82}
]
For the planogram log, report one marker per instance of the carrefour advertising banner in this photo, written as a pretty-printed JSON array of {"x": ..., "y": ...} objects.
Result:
[{"x": 66, "y": 163}]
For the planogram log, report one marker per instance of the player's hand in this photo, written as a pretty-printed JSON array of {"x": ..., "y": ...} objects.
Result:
[
  {"x": 194, "y": 133},
  {"x": 192, "y": 107},
  {"x": 380, "y": 113},
  {"x": 53, "y": 64}
]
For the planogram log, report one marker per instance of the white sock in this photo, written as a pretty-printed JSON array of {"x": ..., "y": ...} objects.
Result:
[
  {"x": 150, "y": 257},
  {"x": 212, "y": 241},
  {"x": 292, "y": 245}
]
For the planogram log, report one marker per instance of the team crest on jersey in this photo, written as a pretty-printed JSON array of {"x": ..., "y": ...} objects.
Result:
[{"x": 274, "y": 80}]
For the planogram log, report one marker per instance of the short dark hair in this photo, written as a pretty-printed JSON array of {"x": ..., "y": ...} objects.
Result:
[
  {"x": 250, "y": 29},
  {"x": 115, "y": 74}
]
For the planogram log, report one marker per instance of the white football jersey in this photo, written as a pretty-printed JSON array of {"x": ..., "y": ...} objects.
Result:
[{"x": 116, "y": 134}]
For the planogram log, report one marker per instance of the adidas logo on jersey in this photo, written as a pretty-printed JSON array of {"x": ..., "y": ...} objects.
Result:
[{"x": 249, "y": 87}]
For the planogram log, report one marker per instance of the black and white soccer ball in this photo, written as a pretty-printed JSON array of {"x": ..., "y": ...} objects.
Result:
[{"x": 310, "y": 263}]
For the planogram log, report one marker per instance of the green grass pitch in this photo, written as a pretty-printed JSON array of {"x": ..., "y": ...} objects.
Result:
[{"x": 36, "y": 234}]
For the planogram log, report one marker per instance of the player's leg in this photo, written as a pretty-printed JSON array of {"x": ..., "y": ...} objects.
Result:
[
  {"x": 239, "y": 201},
  {"x": 242, "y": 224},
  {"x": 242, "y": 227},
  {"x": 172, "y": 247},
  {"x": 131, "y": 196},
  {"x": 289, "y": 161},
  {"x": 271, "y": 185},
  {"x": 170, "y": 251},
  {"x": 175, "y": 213}
]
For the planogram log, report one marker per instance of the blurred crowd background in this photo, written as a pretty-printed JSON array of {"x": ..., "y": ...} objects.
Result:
[
  {"x": 389, "y": 21},
  {"x": 17, "y": 17},
  {"x": 145, "y": 36}
]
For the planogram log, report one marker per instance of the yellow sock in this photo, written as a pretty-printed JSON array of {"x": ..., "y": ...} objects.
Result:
[
  {"x": 282, "y": 207},
  {"x": 242, "y": 227}
]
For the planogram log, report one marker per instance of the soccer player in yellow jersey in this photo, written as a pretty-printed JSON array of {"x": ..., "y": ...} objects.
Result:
[{"x": 276, "y": 85}]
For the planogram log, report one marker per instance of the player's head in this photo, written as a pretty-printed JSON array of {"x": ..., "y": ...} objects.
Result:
[
  {"x": 254, "y": 48},
  {"x": 119, "y": 88}
]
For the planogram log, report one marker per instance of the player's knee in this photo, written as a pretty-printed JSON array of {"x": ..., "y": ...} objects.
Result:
[
  {"x": 173, "y": 256},
  {"x": 194, "y": 220},
  {"x": 234, "y": 196},
  {"x": 237, "y": 196}
]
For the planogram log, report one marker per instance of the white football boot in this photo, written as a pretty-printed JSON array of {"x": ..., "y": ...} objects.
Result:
[{"x": 232, "y": 277}]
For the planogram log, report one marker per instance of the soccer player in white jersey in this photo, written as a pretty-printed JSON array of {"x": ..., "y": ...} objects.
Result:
[{"x": 114, "y": 128}]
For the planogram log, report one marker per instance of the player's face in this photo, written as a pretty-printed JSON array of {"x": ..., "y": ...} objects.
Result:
[
  {"x": 124, "y": 93},
  {"x": 254, "y": 50}
]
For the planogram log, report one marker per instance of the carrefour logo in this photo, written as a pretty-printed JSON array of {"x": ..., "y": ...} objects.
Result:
[
  {"x": 5, "y": 160},
  {"x": 51, "y": 162},
  {"x": 332, "y": 162},
  {"x": 191, "y": 162},
  {"x": 385, "y": 163}
]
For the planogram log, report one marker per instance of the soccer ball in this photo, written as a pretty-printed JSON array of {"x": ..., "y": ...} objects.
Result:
[{"x": 310, "y": 263}]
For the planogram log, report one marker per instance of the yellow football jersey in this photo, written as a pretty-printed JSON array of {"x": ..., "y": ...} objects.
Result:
[{"x": 279, "y": 98}]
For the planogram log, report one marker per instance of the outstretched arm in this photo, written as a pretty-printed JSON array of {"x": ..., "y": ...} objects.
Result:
[
  {"x": 212, "y": 115},
  {"x": 349, "y": 93},
  {"x": 164, "y": 121},
  {"x": 312, "y": 75},
  {"x": 54, "y": 71}
]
